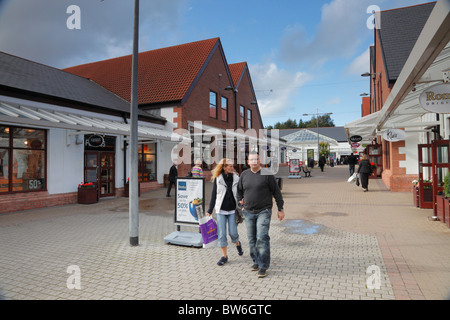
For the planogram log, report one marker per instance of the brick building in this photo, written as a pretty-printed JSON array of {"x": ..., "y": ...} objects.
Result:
[{"x": 184, "y": 84}]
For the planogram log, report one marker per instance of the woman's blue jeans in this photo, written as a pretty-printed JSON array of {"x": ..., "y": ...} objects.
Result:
[
  {"x": 258, "y": 236},
  {"x": 222, "y": 221}
]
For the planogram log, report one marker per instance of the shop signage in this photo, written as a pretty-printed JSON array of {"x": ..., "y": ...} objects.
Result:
[
  {"x": 189, "y": 204},
  {"x": 393, "y": 135},
  {"x": 96, "y": 142},
  {"x": 436, "y": 98},
  {"x": 355, "y": 145},
  {"x": 355, "y": 138}
]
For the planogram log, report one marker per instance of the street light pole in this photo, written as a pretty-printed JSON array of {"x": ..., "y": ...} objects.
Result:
[
  {"x": 134, "y": 183},
  {"x": 317, "y": 119}
]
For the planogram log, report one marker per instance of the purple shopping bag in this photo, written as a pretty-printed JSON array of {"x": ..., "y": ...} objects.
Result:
[{"x": 208, "y": 228}]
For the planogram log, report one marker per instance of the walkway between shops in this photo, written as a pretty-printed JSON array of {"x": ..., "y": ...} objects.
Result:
[{"x": 337, "y": 242}]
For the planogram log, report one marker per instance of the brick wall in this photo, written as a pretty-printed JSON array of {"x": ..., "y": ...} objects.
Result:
[{"x": 34, "y": 200}]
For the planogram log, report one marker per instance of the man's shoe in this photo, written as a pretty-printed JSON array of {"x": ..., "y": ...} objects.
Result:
[
  {"x": 262, "y": 273},
  {"x": 167, "y": 195},
  {"x": 222, "y": 261},
  {"x": 255, "y": 267},
  {"x": 239, "y": 249}
]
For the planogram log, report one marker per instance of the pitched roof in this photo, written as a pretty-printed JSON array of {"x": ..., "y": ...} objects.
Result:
[
  {"x": 18, "y": 74},
  {"x": 336, "y": 133},
  {"x": 237, "y": 71},
  {"x": 400, "y": 28},
  {"x": 169, "y": 73}
]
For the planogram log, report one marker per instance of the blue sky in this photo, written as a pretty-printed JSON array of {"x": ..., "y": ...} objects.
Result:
[{"x": 303, "y": 55}]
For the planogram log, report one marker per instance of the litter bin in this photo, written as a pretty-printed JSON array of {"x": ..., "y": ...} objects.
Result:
[{"x": 280, "y": 183}]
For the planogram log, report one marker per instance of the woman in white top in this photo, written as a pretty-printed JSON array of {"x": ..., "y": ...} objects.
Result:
[{"x": 223, "y": 201}]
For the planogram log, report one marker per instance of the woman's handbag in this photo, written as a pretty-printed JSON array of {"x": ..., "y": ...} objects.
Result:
[
  {"x": 357, "y": 180},
  {"x": 238, "y": 215}
]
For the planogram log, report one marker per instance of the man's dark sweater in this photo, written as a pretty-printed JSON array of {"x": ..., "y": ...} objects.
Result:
[{"x": 257, "y": 191}]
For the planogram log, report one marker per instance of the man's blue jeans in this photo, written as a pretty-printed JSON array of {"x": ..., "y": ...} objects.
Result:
[{"x": 258, "y": 236}]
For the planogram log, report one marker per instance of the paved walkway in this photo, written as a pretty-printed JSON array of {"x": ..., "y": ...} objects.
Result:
[{"x": 335, "y": 242}]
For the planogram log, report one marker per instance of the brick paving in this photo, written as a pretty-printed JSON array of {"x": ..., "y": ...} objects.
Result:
[{"x": 332, "y": 234}]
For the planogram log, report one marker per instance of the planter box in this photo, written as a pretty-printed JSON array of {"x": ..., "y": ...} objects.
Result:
[
  {"x": 126, "y": 190},
  {"x": 441, "y": 203},
  {"x": 87, "y": 195}
]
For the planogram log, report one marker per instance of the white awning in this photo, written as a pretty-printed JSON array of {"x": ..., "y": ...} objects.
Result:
[
  {"x": 429, "y": 58},
  {"x": 47, "y": 118},
  {"x": 239, "y": 134}
]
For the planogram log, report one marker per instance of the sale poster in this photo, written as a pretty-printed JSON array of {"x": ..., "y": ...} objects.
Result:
[{"x": 190, "y": 203}]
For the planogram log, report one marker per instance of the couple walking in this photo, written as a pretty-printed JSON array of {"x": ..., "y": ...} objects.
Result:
[{"x": 254, "y": 191}]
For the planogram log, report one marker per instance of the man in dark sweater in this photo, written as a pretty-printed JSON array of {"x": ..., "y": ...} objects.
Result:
[{"x": 255, "y": 191}]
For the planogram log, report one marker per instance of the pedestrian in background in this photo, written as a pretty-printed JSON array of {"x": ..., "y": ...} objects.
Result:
[
  {"x": 322, "y": 161},
  {"x": 364, "y": 170},
  {"x": 173, "y": 173},
  {"x": 197, "y": 171},
  {"x": 255, "y": 192},
  {"x": 224, "y": 201},
  {"x": 352, "y": 161}
]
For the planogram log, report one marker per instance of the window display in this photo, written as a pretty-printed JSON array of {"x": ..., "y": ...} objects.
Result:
[{"x": 22, "y": 159}]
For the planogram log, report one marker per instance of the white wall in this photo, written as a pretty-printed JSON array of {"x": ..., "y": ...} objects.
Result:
[{"x": 65, "y": 163}]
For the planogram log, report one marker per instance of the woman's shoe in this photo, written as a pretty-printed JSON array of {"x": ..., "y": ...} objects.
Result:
[
  {"x": 222, "y": 261},
  {"x": 239, "y": 249}
]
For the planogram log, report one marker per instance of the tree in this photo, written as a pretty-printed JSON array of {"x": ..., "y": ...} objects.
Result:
[
  {"x": 324, "y": 121},
  {"x": 324, "y": 149}
]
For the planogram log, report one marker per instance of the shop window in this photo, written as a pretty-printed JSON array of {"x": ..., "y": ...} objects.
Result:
[
  {"x": 22, "y": 159},
  {"x": 212, "y": 104},
  {"x": 147, "y": 162}
]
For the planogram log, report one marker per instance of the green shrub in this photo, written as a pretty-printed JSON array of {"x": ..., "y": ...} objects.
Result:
[{"x": 447, "y": 185}]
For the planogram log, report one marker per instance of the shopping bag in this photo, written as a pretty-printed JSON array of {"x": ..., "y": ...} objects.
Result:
[
  {"x": 357, "y": 180},
  {"x": 352, "y": 178},
  {"x": 208, "y": 228}
]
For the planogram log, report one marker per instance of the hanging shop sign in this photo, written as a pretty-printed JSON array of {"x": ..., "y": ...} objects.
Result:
[
  {"x": 355, "y": 138},
  {"x": 436, "y": 98},
  {"x": 394, "y": 135},
  {"x": 355, "y": 145}
]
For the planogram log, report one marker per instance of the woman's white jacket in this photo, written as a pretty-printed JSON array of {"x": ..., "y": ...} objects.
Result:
[{"x": 222, "y": 190}]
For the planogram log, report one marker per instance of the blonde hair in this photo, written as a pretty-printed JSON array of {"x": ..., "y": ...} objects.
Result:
[
  {"x": 217, "y": 171},
  {"x": 364, "y": 157}
]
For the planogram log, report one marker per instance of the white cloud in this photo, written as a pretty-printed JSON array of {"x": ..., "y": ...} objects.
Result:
[
  {"x": 341, "y": 30},
  {"x": 37, "y": 30},
  {"x": 360, "y": 64},
  {"x": 275, "y": 87}
]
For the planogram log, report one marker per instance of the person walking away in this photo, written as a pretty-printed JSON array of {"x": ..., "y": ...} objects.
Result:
[
  {"x": 322, "y": 162},
  {"x": 352, "y": 161},
  {"x": 255, "y": 191},
  {"x": 197, "y": 171},
  {"x": 364, "y": 170},
  {"x": 224, "y": 201},
  {"x": 173, "y": 173}
]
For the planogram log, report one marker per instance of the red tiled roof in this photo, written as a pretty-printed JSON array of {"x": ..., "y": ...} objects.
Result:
[
  {"x": 164, "y": 74},
  {"x": 236, "y": 70}
]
